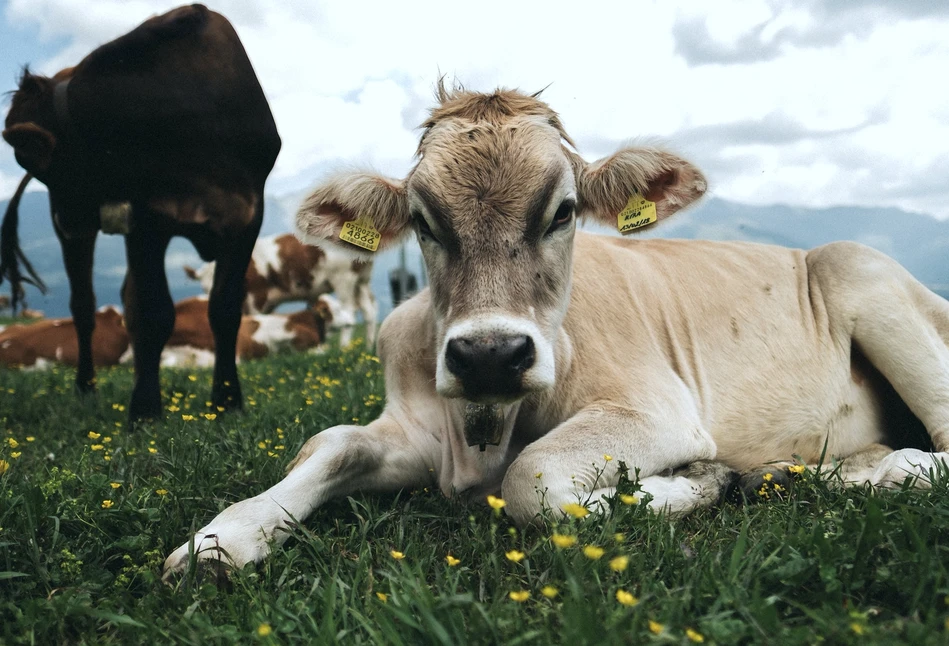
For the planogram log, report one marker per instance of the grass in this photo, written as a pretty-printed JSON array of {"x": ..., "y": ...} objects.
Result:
[{"x": 88, "y": 511}]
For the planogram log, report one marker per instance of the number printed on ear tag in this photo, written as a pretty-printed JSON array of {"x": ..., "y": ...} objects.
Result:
[
  {"x": 638, "y": 213},
  {"x": 361, "y": 233}
]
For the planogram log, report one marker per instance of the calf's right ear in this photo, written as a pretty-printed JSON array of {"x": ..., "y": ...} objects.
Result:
[
  {"x": 365, "y": 198},
  {"x": 32, "y": 145}
]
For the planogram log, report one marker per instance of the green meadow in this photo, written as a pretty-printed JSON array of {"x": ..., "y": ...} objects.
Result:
[{"x": 89, "y": 510}]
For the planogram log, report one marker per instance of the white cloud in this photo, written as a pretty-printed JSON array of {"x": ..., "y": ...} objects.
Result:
[{"x": 348, "y": 82}]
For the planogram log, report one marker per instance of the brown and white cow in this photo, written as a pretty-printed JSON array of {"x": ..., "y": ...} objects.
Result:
[
  {"x": 283, "y": 270},
  {"x": 192, "y": 341},
  {"x": 539, "y": 349},
  {"x": 36, "y": 345},
  {"x": 162, "y": 132}
]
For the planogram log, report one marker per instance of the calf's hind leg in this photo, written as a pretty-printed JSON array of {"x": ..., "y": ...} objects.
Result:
[{"x": 899, "y": 325}]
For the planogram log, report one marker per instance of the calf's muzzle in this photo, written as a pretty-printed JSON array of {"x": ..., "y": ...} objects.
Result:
[{"x": 492, "y": 365}]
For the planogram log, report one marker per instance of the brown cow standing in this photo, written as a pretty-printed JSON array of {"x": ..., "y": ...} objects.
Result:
[
  {"x": 36, "y": 344},
  {"x": 162, "y": 132}
]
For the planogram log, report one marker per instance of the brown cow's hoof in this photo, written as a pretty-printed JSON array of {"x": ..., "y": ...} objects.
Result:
[{"x": 766, "y": 483}]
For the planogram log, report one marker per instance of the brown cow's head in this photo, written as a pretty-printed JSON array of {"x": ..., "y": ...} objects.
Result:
[{"x": 493, "y": 201}]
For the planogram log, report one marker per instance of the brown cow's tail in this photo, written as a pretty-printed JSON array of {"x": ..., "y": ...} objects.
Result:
[{"x": 10, "y": 253}]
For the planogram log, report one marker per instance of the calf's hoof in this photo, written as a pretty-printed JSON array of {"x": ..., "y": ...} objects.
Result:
[
  {"x": 241, "y": 534},
  {"x": 766, "y": 483}
]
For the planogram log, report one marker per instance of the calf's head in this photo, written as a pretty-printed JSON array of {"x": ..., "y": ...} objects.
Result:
[{"x": 493, "y": 201}]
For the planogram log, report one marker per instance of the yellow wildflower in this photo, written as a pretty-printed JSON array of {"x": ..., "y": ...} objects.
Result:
[
  {"x": 192, "y": 378},
  {"x": 563, "y": 540},
  {"x": 495, "y": 502},
  {"x": 592, "y": 552},
  {"x": 210, "y": 416},
  {"x": 115, "y": 485},
  {"x": 626, "y": 598},
  {"x": 383, "y": 597},
  {"x": 539, "y": 475},
  {"x": 16, "y": 454},
  {"x": 97, "y": 447},
  {"x": 452, "y": 561},
  {"x": 4, "y": 465},
  {"x": 628, "y": 499},
  {"x": 398, "y": 556},
  {"x": 655, "y": 627},
  {"x": 796, "y": 469},
  {"x": 515, "y": 556},
  {"x": 13, "y": 443},
  {"x": 263, "y": 630},
  {"x": 694, "y": 636},
  {"x": 619, "y": 537},
  {"x": 107, "y": 503},
  {"x": 261, "y": 445},
  {"x": 187, "y": 418},
  {"x": 549, "y": 591},
  {"x": 857, "y": 628},
  {"x": 767, "y": 477},
  {"x": 575, "y": 510},
  {"x": 520, "y": 596},
  {"x": 30, "y": 438},
  {"x": 607, "y": 457},
  {"x": 161, "y": 492},
  {"x": 152, "y": 449},
  {"x": 619, "y": 563},
  {"x": 92, "y": 435}
]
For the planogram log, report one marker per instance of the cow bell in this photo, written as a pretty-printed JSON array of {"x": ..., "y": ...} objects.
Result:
[
  {"x": 115, "y": 217},
  {"x": 484, "y": 424}
]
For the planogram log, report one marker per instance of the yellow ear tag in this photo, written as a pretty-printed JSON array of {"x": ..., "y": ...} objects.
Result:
[
  {"x": 638, "y": 213},
  {"x": 361, "y": 233}
]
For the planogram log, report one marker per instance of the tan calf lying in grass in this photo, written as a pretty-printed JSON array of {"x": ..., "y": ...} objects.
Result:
[{"x": 540, "y": 349}]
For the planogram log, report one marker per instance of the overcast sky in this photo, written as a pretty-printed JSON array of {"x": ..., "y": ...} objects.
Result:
[{"x": 812, "y": 103}]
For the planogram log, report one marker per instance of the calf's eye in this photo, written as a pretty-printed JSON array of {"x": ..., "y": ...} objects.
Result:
[{"x": 563, "y": 216}]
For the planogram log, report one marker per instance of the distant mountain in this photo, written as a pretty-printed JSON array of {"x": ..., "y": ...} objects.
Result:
[{"x": 919, "y": 242}]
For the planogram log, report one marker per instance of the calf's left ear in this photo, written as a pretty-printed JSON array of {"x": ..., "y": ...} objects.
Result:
[
  {"x": 373, "y": 202},
  {"x": 606, "y": 186},
  {"x": 32, "y": 145}
]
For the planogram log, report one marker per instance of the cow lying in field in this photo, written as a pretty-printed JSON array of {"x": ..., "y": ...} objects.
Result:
[
  {"x": 36, "y": 345},
  {"x": 162, "y": 132},
  {"x": 539, "y": 349},
  {"x": 192, "y": 341},
  {"x": 282, "y": 270}
]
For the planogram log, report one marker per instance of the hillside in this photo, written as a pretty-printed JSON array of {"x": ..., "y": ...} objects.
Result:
[{"x": 918, "y": 241}]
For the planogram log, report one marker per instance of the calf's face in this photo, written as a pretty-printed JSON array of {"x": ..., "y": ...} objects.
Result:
[
  {"x": 493, "y": 201},
  {"x": 493, "y": 207}
]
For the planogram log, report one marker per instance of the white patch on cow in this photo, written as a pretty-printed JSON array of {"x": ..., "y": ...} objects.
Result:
[
  {"x": 272, "y": 331},
  {"x": 186, "y": 356},
  {"x": 6, "y": 344},
  {"x": 266, "y": 255},
  {"x": 205, "y": 274},
  {"x": 128, "y": 356},
  {"x": 59, "y": 353},
  {"x": 39, "y": 364},
  {"x": 538, "y": 377}
]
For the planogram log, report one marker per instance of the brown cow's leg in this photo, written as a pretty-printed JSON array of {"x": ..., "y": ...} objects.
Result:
[
  {"x": 149, "y": 314},
  {"x": 78, "y": 254},
  {"x": 225, "y": 306}
]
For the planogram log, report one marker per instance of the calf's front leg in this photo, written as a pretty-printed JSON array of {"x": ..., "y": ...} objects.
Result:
[
  {"x": 334, "y": 463},
  {"x": 578, "y": 461}
]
